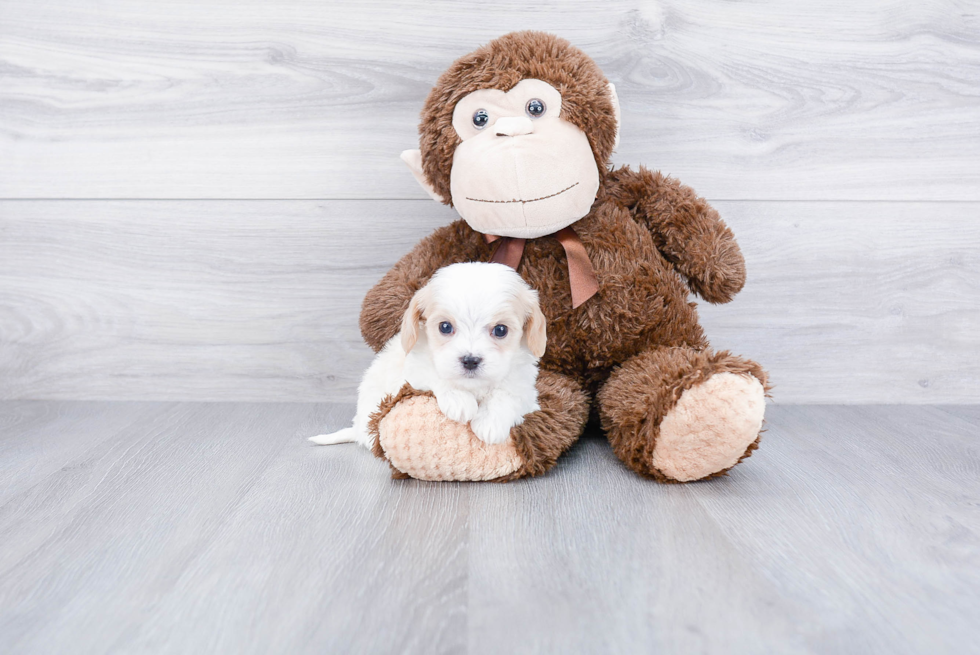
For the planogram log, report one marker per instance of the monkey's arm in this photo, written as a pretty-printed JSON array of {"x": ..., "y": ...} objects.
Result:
[
  {"x": 385, "y": 304},
  {"x": 686, "y": 229}
]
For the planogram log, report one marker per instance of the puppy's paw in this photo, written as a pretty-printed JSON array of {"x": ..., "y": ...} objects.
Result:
[
  {"x": 491, "y": 428},
  {"x": 457, "y": 406}
]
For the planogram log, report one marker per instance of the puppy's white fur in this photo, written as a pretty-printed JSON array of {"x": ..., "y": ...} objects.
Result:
[{"x": 451, "y": 323}]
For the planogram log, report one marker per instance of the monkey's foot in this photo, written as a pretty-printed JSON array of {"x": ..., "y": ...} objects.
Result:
[
  {"x": 710, "y": 428},
  {"x": 420, "y": 442},
  {"x": 679, "y": 414}
]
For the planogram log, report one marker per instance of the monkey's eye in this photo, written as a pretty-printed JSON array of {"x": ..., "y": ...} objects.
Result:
[
  {"x": 446, "y": 327},
  {"x": 500, "y": 331},
  {"x": 535, "y": 108},
  {"x": 481, "y": 118}
]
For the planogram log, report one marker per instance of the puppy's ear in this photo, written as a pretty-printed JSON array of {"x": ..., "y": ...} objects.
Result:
[
  {"x": 535, "y": 327},
  {"x": 410, "y": 322}
]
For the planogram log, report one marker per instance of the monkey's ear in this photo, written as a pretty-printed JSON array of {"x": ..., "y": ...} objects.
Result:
[
  {"x": 414, "y": 160},
  {"x": 615, "y": 104}
]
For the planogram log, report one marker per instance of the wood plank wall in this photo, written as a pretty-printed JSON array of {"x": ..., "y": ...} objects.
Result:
[{"x": 194, "y": 196}]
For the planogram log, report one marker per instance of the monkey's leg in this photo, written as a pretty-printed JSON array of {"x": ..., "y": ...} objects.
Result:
[
  {"x": 678, "y": 414},
  {"x": 550, "y": 431},
  {"x": 419, "y": 442}
]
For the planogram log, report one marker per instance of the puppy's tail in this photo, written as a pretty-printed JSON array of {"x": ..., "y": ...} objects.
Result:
[{"x": 347, "y": 435}]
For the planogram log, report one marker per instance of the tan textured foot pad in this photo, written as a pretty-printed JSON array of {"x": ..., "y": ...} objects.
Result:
[
  {"x": 419, "y": 441},
  {"x": 710, "y": 427}
]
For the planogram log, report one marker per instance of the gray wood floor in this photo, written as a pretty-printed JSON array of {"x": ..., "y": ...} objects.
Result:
[{"x": 194, "y": 527}]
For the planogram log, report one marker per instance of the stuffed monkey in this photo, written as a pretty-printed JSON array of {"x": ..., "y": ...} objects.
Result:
[{"x": 517, "y": 137}]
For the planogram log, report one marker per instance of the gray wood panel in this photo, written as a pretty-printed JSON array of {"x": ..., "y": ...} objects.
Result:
[
  {"x": 193, "y": 300},
  {"x": 777, "y": 100},
  {"x": 217, "y": 528},
  {"x": 857, "y": 302}
]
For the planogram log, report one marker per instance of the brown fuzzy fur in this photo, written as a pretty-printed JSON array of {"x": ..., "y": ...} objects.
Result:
[{"x": 635, "y": 345}]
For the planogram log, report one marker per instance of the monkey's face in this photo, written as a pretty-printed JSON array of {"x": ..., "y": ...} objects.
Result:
[{"x": 521, "y": 170}]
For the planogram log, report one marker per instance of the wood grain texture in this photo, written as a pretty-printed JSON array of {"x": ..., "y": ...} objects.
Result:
[
  {"x": 200, "y": 300},
  {"x": 846, "y": 302},
  {"x": 857, "y": 302},
  {"x": 217, "y": 528},
  {"x": 778, "y": 100}
]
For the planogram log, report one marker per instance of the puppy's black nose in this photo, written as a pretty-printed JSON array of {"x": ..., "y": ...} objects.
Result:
[{"x": 470, "y": 362}]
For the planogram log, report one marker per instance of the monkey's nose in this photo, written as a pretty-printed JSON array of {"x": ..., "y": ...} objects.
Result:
[
  {"x": 470, "y": 362},
  {"x": 513, "y": 126}
]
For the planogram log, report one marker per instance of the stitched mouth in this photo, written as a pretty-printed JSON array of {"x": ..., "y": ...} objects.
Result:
[{"x": 524, "y": 202}]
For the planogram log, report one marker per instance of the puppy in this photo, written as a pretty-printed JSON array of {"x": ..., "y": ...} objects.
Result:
[{"x": 473, "y": 336}]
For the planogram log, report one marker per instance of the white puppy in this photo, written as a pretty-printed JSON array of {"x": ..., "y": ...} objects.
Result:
[{"x": 482, "y": 335}]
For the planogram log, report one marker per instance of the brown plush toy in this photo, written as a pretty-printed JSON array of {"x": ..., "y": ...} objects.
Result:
[{"x": 517, "y": 136}]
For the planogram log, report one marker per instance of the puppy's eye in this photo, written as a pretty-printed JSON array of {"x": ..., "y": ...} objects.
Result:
[
  {"x": 535, "y": 108},
  {"x": 500, "y": 331},
  {"x": 481, "y": 118},
  {"x": 446, "y": 327}
]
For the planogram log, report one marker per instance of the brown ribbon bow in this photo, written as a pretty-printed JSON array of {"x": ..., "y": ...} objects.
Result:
[{"x": 581, "y": 275}]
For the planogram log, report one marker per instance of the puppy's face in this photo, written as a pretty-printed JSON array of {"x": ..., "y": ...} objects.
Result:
[
  {"x": 477, "y": 319},
  {"x": 473, "y": 345}
]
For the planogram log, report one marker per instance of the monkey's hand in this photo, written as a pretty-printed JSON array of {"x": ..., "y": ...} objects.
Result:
[
  {"x": 686, "y": 229},
  {"x": 385, "y": 304}
]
